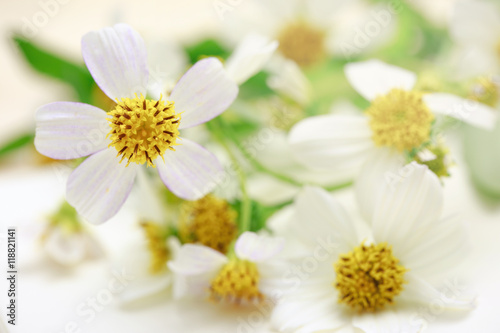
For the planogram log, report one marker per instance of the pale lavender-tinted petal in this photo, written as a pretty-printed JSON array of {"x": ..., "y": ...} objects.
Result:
[
  {"x": 100, "y": 185},
  {"x": 256, "y": 248},
  {"x": 193, "y": 259},
  {"x": 190, "y": 171},
  {"x": 67, "y": 130},
  {"x": 204, "y": 92},
  {"x": 116, "y": 57},
  {"x": 466, "y": 110}
]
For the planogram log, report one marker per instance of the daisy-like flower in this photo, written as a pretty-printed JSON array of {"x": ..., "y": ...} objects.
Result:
[
  {"x": 475, "y": 27},
  {"x": 139, "y": 130},
  {"x": 246, "y": 276},
  {"x": 310, "y": 31},
  {"x": 66, "y": 241},
  {"x": 399, "y": 118},
  {"x": 377, "y": 277}
]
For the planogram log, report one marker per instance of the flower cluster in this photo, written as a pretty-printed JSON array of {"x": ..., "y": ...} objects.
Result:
[{"x": 262, "y": 212}]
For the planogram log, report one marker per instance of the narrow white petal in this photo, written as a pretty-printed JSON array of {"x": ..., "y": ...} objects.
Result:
[
  {"x": 410, "y": 201},
  {"x": 67, "y": 130},
  {"x": 249, "y": 57},
  {"x": 287, "y": 78},
  {"x": 100, "y": 185},
  {"x": 116, "y": 57},
  {"x": 373, "y": 78},
  {"x": 331, "y": 141},
  {"x": 419, "y": 291},
  {"x": 190, "y": 171},
  {"x": 256, "y": 248},
  {"x": 196, "y": 259},
  {"x": 204, "y": 92},
  {"x": 381, "y": 165},
  {"x": 466, "y": 110},
  {"x": 323, "y": 222},
  {"x": 438, "y": 250},
  {"x": 388, "y": 322}
]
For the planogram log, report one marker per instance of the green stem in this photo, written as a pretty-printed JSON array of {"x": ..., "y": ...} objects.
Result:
[{"x": 246, "y": 205}]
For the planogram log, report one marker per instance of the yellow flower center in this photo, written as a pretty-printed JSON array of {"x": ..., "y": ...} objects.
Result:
[
  {"x": 369, "y": 277},
  {"x": 302, "y": 43},
  {"x": 209, "y": 221},
  {"x": 237, "y": 282},
  {"x": 156, "y": 236},
  {"x": 486, "y": 91},
  {"x": 143, "y": 129},
  {"x": 400, "y": 120}
]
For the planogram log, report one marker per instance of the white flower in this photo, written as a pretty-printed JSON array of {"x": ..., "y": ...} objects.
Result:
[
  {"x": 308, "y": 31},
  {"x": 475, "y": 27},
  {"x": 399, "y": 118},
  {"x": 374, "y": 277},
  {"x": 248, "y": 276},
  {"x": 70, "y": 247},
  {"x": 143, "y": 131}
]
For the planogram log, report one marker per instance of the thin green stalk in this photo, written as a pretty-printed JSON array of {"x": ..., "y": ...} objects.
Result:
[{"x": 246, "y": 205}]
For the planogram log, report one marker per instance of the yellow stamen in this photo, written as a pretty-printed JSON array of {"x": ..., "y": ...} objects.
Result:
[
  {"x": 400, "y": 120},
  {"x": 209, "y": 221},
  {"x": 302, "y": 43},
  {"x": 143, "y": 129},
  {"x": 156, "y": 236},
  {"x": 369, "y": 277},
  {"x": 486, "y": 91},
  {"x": 238, "y": 283}
]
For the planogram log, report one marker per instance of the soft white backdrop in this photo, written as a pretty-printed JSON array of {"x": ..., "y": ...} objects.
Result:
[{"x": 48, "y": 296}]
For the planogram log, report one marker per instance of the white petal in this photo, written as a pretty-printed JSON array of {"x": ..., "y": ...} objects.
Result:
[
  {"x": 67, "y": 130},
  {"x": 256, "y": 248},
  {"x": 466, "y": 110},
  {"x": 100, "y": 185},
  {"x": 116, "y": 57},
  {"x": 287, "y": 78},
  {"x": 435, "y": 252},
  {"x": 419, "y": 291},
  {"x": 249, "y": 57},
  {"x": 476, "y": 23},
  {"x": 387, "y": 322},
  {"x": 196, "y": 259},
  {"x": 409, "y": 202},
  {"x": 204, "y": 92},
  {"x": 190, "y": 171},
  {"x": 323, "y": 221},
  {"x": 383, "y": 163},
  {"x": 331, "y": 141},
  {"x": 373, "y": 78}
]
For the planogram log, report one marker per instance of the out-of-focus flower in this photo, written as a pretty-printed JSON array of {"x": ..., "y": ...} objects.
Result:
[
  {"x": 141, "y": 130},
  {"x": 66, "y": 241},
  {"x": 399, "y": 118},
  {"x": 245, "y": 276},
  {"x": 311, "y": 31},
  {"x": 475, "y": 27},
  {"x": 372, "y": 279}
]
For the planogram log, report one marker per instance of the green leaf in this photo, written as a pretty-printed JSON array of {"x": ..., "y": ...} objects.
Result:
[
  {"x": 206, "y": 48},
  {"x": 256, "y": 87},
  {"x": 47, "y": 63},
  {"x": 17, "y": 143}
]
